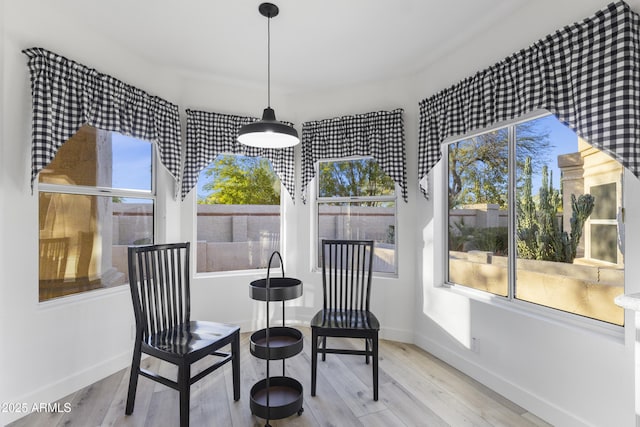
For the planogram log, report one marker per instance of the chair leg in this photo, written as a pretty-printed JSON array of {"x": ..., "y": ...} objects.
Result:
[
  {"x": 374, "y": 344},
  {"x": 133, "y": 379},
  {"x": 314, "y": 359},
  {"x": 324, "y": 347},
  {"x": 235, "y": 365},
  {"x": 184, "y": 379},
  {"x": 366, "y": 348}
]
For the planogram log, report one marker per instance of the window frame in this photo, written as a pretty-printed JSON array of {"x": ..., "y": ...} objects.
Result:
[
  {"x": 509, "y": 302},
  {"x": 84, "y": 190},
  {"x": 619, "y": 188},
  {"x": 242, "y": 272},
  {"x": 315, "y": 212}
]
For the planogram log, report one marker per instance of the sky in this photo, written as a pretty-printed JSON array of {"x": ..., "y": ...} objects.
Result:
[
  {"x": 563, "y": 141},
  {"x": 131, "y": 162}
]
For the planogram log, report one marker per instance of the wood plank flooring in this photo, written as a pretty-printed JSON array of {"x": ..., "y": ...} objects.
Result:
[{"x": 416, "y": 389}]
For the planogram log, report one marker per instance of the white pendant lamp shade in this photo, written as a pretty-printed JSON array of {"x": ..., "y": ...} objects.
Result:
[{"x": 268, "y": 132}]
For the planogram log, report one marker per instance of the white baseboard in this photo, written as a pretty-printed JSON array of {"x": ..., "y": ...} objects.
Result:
[
  {"x": 394, "y": 334},
  {"x": 533, "y": 403},
  {"x": 55, "y": 391}
]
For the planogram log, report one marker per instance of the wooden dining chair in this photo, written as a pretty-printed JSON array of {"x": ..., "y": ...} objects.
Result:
[
  {"x": 159, "y": 282},
  {"x": 346, "y": 282}
]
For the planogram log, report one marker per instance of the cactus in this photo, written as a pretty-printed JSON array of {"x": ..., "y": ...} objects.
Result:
[
  {"x": 582, "y": 208},
  {"x": 539, "y": 235}
]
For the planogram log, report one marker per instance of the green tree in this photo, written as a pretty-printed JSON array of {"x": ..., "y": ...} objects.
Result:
[
  {"x": 478, "y": 166},
  {"x": 241, "y": 180},
  {"x": 352, "y": 178}
]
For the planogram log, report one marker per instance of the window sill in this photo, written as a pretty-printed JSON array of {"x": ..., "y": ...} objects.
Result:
[
  {"x": 258, "y": 273},
  {"x": 542, "y": 313},
  {"x": 375, "y": 275},
  {"x": 84, "y": 297}
]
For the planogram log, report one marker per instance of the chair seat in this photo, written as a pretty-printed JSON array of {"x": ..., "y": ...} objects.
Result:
[
  {"x": 192, "y": 340},
  {"x": 345, "y": 319}
]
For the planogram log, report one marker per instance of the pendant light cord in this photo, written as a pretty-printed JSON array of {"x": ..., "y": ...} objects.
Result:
[
  {"x": 268, "y": 132},
  {"x": 269, "y": 61}
]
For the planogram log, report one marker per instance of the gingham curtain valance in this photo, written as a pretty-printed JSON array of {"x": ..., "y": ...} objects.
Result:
[
  {"x": 586, "y": 74},
  {"x": 210, "y": 134},
  {"x": 67, "y": 95},
  {"x": 378, "y": 134}
]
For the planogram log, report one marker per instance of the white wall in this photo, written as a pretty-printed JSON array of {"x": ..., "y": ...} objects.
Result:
[
  {"x": 565, "y": 373},
  {"x": 4, "y": 393}
]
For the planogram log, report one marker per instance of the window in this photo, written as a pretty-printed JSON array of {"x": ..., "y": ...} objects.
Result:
[
  {"x": 357, "y": 200},
  {"x": 238, "y": 214},
  {"x": 602, "y": 225},
  {"x": 533, "y": 215},
  {"x": 95, "y": 198}
]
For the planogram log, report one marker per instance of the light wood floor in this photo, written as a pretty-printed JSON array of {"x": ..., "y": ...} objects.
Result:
[{"x": 416, "y": 389}]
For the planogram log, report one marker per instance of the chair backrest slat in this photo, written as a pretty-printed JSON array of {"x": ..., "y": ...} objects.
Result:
[
  {"x": 346, "y": 274},
  {"x": 172, "y": 307},
  {"x": 159, "y": 282}
]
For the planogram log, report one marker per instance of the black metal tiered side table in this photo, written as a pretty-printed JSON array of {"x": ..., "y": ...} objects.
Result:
[{"x": 276, "y": 397}]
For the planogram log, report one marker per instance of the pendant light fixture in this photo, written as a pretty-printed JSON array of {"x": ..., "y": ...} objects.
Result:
[{"x": 268, "y": 132}]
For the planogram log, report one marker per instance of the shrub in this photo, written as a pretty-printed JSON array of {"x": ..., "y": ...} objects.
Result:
[{"x": 466, "y": 238}]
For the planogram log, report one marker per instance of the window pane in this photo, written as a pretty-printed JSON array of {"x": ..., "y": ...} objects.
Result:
[
  {"x": 84, "y": 238},
  {"x": 97, "y": 158},
  {"x": 478, "y": 224},
  {"x": 361, "y": 221},
  {"x": 369, "y": 213},
  {"x": 238, "y": 214},
  {"x": 604, "y": 239},
  {"x": 353, "y": 178},
  {"x": 568, "y": 249},
  {"x": 558, "y": 247},
  {"x": 607, "y": 204},
  {"x": 132, "y": 162}
]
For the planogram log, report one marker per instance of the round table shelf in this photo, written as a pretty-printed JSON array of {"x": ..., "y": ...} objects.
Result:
[
  {"x": 283, "y": 343},
  {"x": 280, "y": 289},
  {"x": 285, "y": 398}
]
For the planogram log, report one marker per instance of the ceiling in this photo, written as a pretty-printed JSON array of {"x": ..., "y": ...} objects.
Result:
[{"x": 314, "y": 44}]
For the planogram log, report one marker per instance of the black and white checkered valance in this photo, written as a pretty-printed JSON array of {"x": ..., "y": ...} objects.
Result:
[
  {"x": 67, "y": 95},
  {"x": 378, "y": 134},
  {"x": 211, "y": 134},
  {"x": 586, "y": 74}
]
